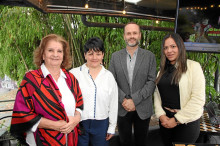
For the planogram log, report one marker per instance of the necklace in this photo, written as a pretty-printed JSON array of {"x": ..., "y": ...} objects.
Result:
[{"x": 56, "y": 75}]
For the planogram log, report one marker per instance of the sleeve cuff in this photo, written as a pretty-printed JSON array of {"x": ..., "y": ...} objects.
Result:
[
  {"x": 34, "y": 128},
  {"x": 80, "y": 111},
  {"x": 111, "y": 130}
]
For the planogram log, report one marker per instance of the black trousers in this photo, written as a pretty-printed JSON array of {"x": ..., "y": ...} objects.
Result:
[
  {"x": 183, "y": 133},
  {"x": 125, "y": 124}
]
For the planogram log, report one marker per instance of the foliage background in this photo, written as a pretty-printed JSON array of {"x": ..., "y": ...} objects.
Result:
[{"x": 21, "y": 30}]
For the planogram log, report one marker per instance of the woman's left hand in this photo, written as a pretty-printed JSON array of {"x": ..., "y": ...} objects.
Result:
[
  {"x": 73, "y": 121},
  {"x": 109, "y": 136}
]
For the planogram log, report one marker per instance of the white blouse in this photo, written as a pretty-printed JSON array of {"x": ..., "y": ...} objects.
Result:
[{"x": 100, "y": 96}]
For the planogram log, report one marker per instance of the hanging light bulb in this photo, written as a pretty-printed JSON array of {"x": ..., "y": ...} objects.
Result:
[
  {"x": 157, "y": 21},
  {"x": 124, "y": 12},
  {"x": 87, "y": 5}
]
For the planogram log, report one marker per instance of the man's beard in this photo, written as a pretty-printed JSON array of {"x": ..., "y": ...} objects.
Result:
[{"x": 137, "y": 42}]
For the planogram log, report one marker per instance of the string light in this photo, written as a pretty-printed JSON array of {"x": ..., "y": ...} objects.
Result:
[
  {"x": 201, "y": 8},
  {"x": 157, "y": 21}
]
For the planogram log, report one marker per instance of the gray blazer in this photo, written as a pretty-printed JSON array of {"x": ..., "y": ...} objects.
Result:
[{"x": 143, "y": 82}]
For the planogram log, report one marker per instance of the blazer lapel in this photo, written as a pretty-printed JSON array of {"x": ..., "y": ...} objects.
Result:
[
  {"x": 137, "y": 63},
  {"x": 124, "y": 63}
]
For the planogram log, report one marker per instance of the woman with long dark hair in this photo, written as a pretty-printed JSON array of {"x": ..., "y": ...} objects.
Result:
[{"x": 180, "y": 93}]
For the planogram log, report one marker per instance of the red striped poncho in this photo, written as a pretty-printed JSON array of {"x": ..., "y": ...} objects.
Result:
[{"x": 35, "y": 99}]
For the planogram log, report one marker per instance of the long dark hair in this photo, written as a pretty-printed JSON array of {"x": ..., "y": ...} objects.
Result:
[{"x": 181, "y": 65}]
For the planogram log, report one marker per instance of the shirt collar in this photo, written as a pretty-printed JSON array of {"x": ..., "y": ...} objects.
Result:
[
  {"x": 46, "y": 72},
  {"x": 87, "y": 69},
  {"x": 135, "y": 52}
]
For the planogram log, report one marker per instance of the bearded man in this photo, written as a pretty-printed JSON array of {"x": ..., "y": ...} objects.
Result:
[{"x": 134, "y": 70}]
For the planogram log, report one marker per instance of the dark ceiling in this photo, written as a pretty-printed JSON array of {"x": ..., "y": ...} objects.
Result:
[
  {"x": 150, "y": 9},
  {"x": 146, "y": 9}
]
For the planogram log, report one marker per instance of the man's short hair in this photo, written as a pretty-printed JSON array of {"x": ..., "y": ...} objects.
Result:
[{"x": 132, "y": 23}]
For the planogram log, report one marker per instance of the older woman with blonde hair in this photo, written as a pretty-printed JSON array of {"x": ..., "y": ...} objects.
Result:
[{"x": 49, "y": 102}]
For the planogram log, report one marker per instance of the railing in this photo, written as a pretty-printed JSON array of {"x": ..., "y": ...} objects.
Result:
[
  {"x": 7, "y": 110},
  {"x": 6, "y": 137}
]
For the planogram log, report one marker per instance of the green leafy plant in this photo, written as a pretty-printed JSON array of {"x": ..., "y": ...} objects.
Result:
[{"x": 21, "y": 30}]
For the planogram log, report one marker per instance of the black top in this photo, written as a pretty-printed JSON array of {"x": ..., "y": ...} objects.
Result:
[{"x": 169, "y": 92}]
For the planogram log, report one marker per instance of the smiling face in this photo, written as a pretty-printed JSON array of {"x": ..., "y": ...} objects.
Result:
[
  {"x": 171, "y": 50},
  {"x": 132, "y": 35},
  {"x": 94, "y": 58},
  {"x": 53, "y": 54}
]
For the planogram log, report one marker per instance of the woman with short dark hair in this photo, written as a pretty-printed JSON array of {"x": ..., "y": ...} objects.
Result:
[{"x": 100, "y": 95}]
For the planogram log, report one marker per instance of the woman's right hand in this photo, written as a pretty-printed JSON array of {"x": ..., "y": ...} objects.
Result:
[
  {"x": 50, "y": 124},
  {"x": 164, "y": 119},
  {"x": 167, "y": 122}
]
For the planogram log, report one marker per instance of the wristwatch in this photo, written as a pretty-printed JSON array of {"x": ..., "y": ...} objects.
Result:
[
  {"x": 128, "y": 97},
  {"x": 176, "y": 121}
]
